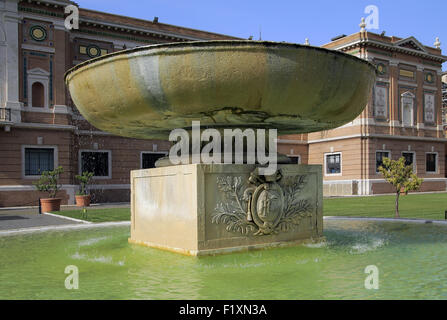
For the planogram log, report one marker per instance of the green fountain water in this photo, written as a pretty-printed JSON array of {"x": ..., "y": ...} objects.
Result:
[{"x": 411, "y": 259}]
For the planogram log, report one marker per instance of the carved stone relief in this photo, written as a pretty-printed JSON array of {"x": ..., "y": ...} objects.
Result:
[{"x": 263, "y": 205}]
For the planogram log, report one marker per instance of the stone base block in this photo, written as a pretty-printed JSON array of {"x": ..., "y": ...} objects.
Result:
[{"x": 211, "y": 209}]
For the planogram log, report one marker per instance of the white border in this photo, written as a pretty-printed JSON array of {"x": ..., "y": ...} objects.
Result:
[
  {"x": 380, "y": 136},
  {"x": 64, "y": 227},
  {"x": 66, "y": 218},
  {"x": 401, "y": 220},
  {"x": 365, "y": 185},
  {"x": 96, "y": 151},
  {"x": 341, "y": 164},
  {"x": 55, "y": 156}
]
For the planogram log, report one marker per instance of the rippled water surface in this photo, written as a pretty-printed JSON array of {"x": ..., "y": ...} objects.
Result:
[{"x": 412, "y": 262}]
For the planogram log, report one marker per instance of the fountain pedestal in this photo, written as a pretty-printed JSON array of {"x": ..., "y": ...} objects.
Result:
[{"x": 205, "y": 209}]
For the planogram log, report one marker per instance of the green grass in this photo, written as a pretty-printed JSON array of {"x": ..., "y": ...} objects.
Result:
[
  {"x": 98, "y": 215},
  {"x": 418, "y": 206},
  {"x": 415, "y": 206}
]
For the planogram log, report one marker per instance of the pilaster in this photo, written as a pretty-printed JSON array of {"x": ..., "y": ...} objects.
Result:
[{"x": 10, "y": 57}]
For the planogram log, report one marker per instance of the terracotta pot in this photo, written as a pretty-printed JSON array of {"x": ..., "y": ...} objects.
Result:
[
  {"x": 50, "y": 205},
  {"x": 83, "y": 201}
]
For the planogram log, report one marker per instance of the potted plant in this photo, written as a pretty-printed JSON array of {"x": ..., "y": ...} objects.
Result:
[
  {"x": 49, "y": 182},
  {"x": 82, "y": 197}
]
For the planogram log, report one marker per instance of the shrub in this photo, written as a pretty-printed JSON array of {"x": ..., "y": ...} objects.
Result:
[
  {"x": 49, "y": 182},
  {"x": 84, "y": 181}
]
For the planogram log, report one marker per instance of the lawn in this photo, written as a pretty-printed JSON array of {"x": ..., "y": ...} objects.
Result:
[
  {"x": 98, "y": 215},
  {"x": 419, "y": 206}
]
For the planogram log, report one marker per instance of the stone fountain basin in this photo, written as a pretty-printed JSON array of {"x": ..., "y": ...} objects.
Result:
[{"x": 148, "y": 91}]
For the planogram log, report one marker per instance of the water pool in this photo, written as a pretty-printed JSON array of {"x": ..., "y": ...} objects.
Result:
[{"x": 411, "y": 258}]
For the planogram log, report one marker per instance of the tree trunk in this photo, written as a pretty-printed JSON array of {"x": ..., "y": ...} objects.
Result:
[{"x": 397, "y": 204}]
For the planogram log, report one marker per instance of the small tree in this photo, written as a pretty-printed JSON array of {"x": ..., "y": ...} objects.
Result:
[
  {"x": 84, "y": 180},
  {"x": 49, "y": 182},
  {"x": 400, "y": 176}
]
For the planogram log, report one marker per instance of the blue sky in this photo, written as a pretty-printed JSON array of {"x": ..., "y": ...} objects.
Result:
[{"x": 290, "y": 20}]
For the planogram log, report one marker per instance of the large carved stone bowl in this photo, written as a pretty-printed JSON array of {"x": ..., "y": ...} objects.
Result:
[{"x": 148, "y": 91}]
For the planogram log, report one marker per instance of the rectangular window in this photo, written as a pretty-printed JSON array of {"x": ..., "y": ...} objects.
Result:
[
  {"x": 409, "y": 158},
  {"x": 96, "y": 162},
  {"x": 38, "y": 161},
  {"x": 148, "y": 159},
  {"x": 333, "y": 163},
  {"x": 379, "y": 158},
  {"x": 294, "y": 159},
  {"x": 431, "y": 162}
]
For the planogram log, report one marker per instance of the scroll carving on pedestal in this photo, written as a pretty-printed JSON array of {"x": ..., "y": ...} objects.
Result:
[{"x": 263, "y": 205}]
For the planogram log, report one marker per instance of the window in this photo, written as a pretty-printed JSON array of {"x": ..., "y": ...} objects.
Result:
[
  {"x": 407, "y": 115},
  {"x": 379, "y": 158},
  {"x": 38, "y": 94},
  {"x": 409, "y": 159},
  {"x": 295, "y": 159},
  {"x": 333, "y": 163},
  {"x": 148, "y": 159},
  {"x": 38, "y": 160},
  {"x": 431, "y": 162},
  {"x": 97, "y": 162}
]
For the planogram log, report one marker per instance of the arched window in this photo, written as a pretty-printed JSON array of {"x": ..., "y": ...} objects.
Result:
[
  {"x": 38, "y": 94},
  {"x": 37, "y": 88}
]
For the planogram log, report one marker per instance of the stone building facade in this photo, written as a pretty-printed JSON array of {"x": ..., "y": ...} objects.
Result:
[{"x": 403, "y": 118}]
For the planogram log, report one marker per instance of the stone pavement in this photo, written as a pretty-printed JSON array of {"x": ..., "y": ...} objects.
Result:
[
  {"x": 22, "y": 221},
  {"x": 22, "y": 218}
]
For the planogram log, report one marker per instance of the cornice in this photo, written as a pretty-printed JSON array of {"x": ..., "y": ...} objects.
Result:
[
  {"x": 103, "y": 26},
  {"x": 33, "y": 47},
  {"x": 390, "y": 47}
]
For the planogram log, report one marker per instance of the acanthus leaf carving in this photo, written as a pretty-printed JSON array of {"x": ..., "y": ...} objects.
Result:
[{"x": 263, "y": 205}]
